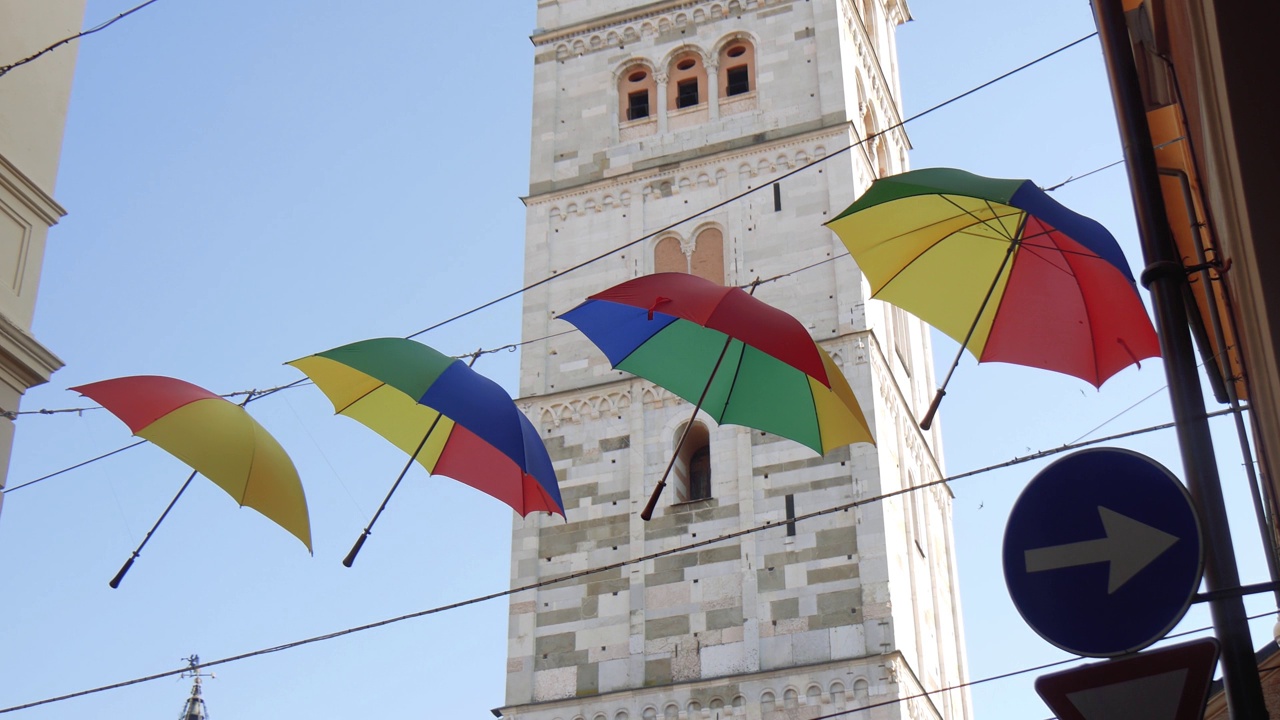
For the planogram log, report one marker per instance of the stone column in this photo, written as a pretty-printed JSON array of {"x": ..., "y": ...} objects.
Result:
[
  {"x": 713, "y": 90},
  {"x": 661, "y": 101}
]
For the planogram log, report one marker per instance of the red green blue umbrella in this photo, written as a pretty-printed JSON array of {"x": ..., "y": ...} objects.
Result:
[
  {"x": 742, "y": 361},
  {"x": 1003, "y": 269},
  {"x": 214, "y": 436},
  {"x": 450, "y": 419}
]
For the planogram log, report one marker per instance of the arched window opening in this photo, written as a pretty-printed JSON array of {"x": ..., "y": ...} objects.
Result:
[
  {"x": 869, "y": 21},
  {"x": 693, "y": 464},
  {"x": 708, "y": 255},
  {"x": 636, "y": 90},
  {"x": 737, "y": 68},
  {"x": 688, "y": 81},
  {"x": 668, "y": 256}
]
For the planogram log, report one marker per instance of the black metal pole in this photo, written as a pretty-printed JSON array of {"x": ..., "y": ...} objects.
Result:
[{"x": 1166, "y": 278}]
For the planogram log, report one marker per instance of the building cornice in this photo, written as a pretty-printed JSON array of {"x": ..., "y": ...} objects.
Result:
[
  {"x": 24, "y": 362},
  {"x": 31, "y": 195},
  {"x": 586, "y": 27},
  {"x": 893, "y": 656},
  {"x": 674, "y": 168}
]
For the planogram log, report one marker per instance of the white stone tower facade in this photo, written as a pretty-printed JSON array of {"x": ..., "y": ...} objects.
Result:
[{"x": 644, "y": 114}]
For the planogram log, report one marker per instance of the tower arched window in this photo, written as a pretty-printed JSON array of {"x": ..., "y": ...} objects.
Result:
[
  {"x": 636, "y": 94},
  {"x": 705, "y": 258},
  {"x": 687, "y": 83},
  {"x": 668, "y": 256},
  {"x": 708, "y": 255},
  {"x": 693, "y": 465},
  {"x": 737, "y": 68}
]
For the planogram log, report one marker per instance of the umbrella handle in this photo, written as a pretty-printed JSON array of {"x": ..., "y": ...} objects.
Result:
[
  {"x": 115, "y": 581},
  {"x": 653, "y": 501},
  {"x": 933, "y": 409},
  {"x": 355, "y": 549}
]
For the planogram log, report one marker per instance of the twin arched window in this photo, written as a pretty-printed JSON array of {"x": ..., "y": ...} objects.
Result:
[{"x": 704, "y": 258}]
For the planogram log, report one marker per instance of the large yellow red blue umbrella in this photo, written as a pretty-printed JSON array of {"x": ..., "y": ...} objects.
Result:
[
  {"x": 1003, "y": 269},
  {"x": 214, "y": 436}
]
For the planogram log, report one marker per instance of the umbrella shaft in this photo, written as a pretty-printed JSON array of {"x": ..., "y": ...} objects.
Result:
[{"x": 657, "y": 490}]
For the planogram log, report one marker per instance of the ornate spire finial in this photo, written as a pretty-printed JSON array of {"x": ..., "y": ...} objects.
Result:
[{"x": 194, "y": 709}]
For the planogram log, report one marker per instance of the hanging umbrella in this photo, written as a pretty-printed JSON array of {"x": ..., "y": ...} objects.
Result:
[
  {"x": 217, "y": 438},
  {"x": 1003, "y": 269},
  {"x": 447, "y": 417},
  {"x": 740, "y": 360}
]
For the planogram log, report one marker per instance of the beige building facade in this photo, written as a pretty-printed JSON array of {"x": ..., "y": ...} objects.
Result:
[
  {"x": 33, "y": 111},
  {"x": 645, "y": 114}
]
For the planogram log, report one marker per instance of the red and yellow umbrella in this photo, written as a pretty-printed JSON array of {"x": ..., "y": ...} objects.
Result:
[{"x": 214, "y": 436}]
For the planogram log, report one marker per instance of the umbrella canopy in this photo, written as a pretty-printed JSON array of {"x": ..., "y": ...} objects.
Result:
[
  {"x": 1002, "y": 268},
  {"x": 214, "y": 436},
  {"x": 672, "y": 329},
  {"x": 401, "y": 389}
]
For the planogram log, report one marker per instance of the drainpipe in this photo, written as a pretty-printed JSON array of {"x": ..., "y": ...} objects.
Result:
[
  {"x": 1228, "y": 388},
  {"x": 1166, "y": 279}
]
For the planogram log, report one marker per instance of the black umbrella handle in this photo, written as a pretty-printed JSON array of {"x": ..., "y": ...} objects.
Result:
[
  {"x": 927, "y": 422},
  {"x": 350, "y": 559},
  {"x": 115, "y": 581}
]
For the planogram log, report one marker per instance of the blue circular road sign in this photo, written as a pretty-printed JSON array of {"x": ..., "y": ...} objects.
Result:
[{"x": 1103, "y": 552}]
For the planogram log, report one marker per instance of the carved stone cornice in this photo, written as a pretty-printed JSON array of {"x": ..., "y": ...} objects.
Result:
[
  {"x": 24, "y": 362},
  {"x": 630, "y": 26},
  {"x": 32, "y": 196}
]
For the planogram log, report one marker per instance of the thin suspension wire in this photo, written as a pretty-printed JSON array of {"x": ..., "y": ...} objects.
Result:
[
  {"x": 257, "y": 395},
  {"x": 510, "y": 347},
  {"x": 745, "y": 193},
  {"x": 100, "y": 26},
  {"x": 349, "y": 631}
]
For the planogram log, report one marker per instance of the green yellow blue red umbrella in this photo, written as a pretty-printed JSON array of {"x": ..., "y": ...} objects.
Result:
[
  {"x": 450, "y": 419},
  {"x": 1003, "y": 269}
]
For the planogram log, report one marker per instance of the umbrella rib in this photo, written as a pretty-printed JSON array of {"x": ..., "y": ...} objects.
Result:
[
  {"x": 999, "y": 229},
  {"x": 372, "y": 390},
  {"x": 963, "y": 213},
  {"x": 733, "y": 382}
]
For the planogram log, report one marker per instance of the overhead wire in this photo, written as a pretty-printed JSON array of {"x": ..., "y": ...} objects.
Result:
[
  {"x": 745, "y": 193},
  {"x": 4, "y": 69},
  {"x": 510, "y": 347},
  {"x": 845, "y": 507},
  {"x": 513, "y": 346},
  {"x": 552, "y": 581}
]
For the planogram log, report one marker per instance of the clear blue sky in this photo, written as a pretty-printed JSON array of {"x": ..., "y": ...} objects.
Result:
[{"x": 252, "y": 182}]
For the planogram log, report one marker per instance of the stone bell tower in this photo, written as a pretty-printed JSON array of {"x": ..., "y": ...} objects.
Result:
[{"x": 646, "y": 113}]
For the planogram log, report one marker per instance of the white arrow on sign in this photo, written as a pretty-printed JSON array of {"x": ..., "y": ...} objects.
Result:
[{"x": 1129, "y": 546}]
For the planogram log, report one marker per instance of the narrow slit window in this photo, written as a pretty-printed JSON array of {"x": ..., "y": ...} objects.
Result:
[
  {"x": 739, "y": 80},
  {"x": 700, "y": 474}
]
